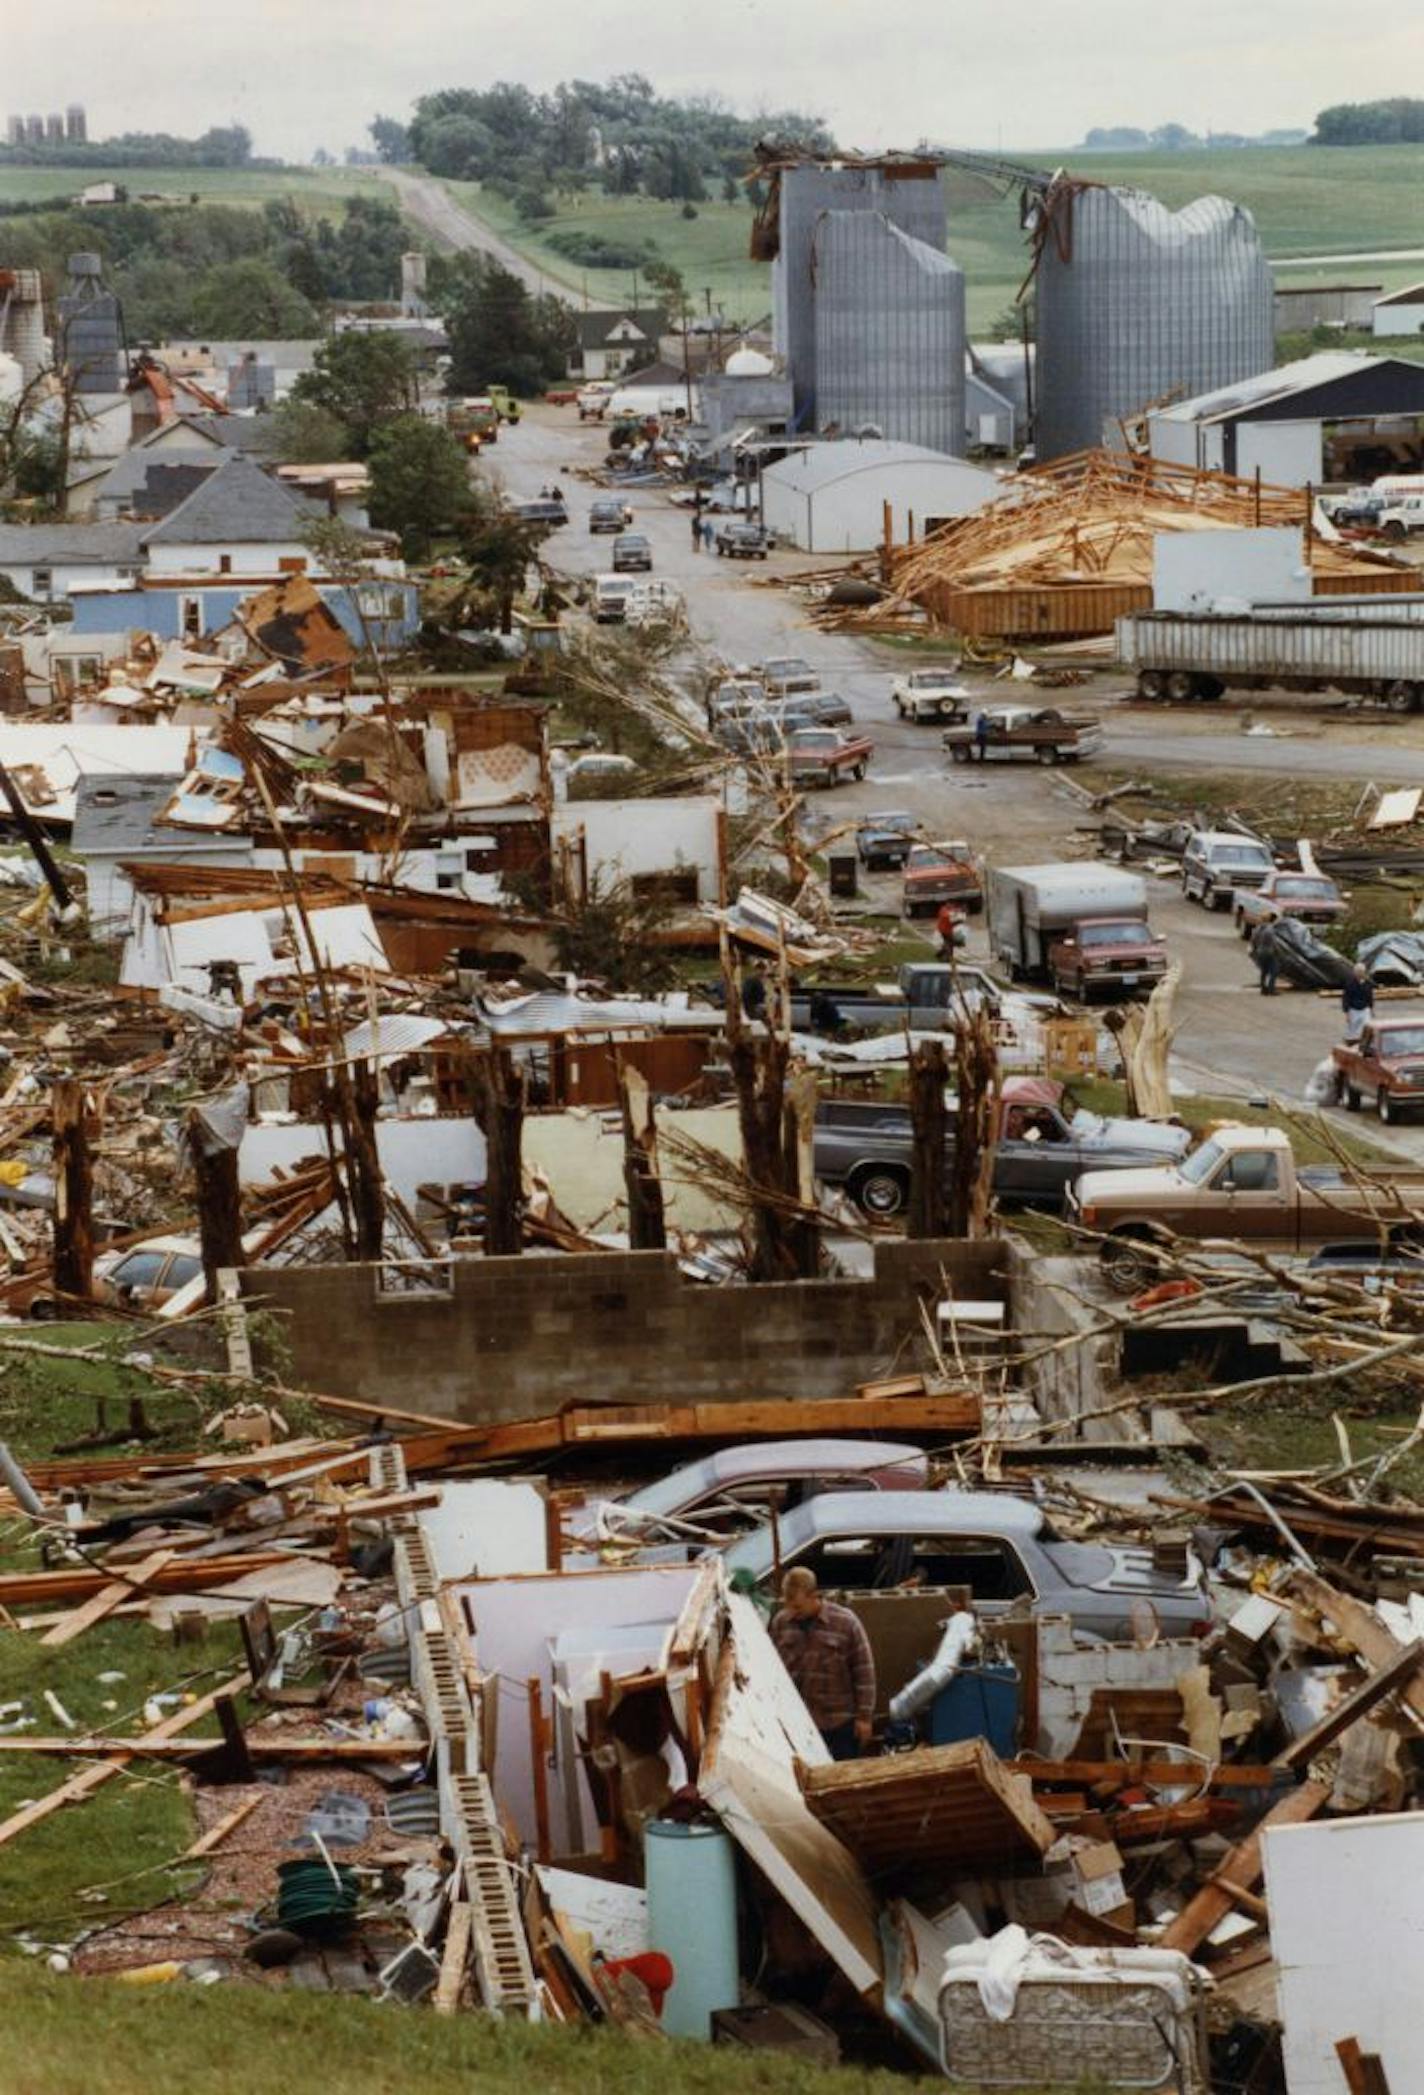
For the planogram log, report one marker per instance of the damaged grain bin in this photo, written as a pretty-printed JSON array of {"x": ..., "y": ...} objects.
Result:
[
  {"x": 1136, "y": 303},
  {"x": 890, "y": 335}
]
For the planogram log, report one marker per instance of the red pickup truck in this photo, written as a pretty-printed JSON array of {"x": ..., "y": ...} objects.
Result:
[
  {"x": 822, "y": 756},
  {"x": 1386, "y": 1064},
  {"x": 938, "y": 873}
]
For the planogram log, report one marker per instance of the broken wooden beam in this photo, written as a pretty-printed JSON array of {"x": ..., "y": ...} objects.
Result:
[
  {"x": 1241, "y": 1868},
  {"x": 92, "y": 1778}
]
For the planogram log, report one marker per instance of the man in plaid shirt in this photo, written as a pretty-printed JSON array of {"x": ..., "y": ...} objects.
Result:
[{"x": 825, "y": 1650}]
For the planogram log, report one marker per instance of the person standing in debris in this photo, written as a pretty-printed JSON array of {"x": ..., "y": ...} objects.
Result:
[
  {"x": 824, "y": 1648},
  {"x": 1357, "y": 1000},
  {"x": 1264, "y": 954}
]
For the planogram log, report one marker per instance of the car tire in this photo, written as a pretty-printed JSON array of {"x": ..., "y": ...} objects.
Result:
[
  {"x": 959, "y": 754},
  {"x": 1125, "y": 1266},
  {"x": 880, "y": 1191},
  {"x": 1151, "y": 685},
  {"x": 1181, "y": 685},
  {"x": 1047, "y": 756},
  {"x": 1354, "y": 1099},
  {"x": 1385, "y": 1106},
  {"x": 1402, "y": 697},
  {"x": 1219, "y": 902}
]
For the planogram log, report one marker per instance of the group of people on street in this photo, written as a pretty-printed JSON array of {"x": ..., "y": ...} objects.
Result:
[{"x": 704, "y": 531}]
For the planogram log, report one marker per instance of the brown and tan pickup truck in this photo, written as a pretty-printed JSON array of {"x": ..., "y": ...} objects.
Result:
[
  {"x": 823, "y": 756},
  {"x": 1242, "y": 1184},
  {"x": 1385, "y": 1065}
]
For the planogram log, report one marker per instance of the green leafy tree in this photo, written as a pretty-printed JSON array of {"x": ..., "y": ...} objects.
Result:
[
  {"x": 252, "y": 298},
  {"x": 497, "y": 548},
  {"x": 362, "y": 379},
  {"x": 420, "y": 483},
  {"x": 390, "y": 138},
  {"x": 500, "y": 334},
  {"x": 308, "y": 435}
]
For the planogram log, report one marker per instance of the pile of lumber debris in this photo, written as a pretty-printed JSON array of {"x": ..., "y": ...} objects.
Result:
[{"x": 1067, "y": 548}]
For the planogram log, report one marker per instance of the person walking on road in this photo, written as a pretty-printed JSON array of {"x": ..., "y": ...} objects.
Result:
[
  {"x": 1357, "y": 1000},
  {"x": 696, "y": 532},
  {"x": 1263, "y": 952},
  {"x": 824, "y": 1648},
  {"x": 709, "y": 533}
]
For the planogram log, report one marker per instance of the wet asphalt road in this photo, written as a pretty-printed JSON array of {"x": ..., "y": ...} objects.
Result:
[{"x": 1230, "y": 1039}]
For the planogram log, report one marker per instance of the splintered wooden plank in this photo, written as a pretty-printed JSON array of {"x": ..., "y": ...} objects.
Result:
[
  {"x": 90, "y": 1779},
  {"x": 106, "y": 1600}
]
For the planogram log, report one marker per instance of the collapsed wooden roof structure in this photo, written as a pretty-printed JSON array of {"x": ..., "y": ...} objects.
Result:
[{"x": 1067, "y": 549}]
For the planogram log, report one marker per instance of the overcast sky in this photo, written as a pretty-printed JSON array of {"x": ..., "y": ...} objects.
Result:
[{"x": 308, "y": 73}]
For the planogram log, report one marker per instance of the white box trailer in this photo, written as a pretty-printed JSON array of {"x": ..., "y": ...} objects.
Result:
[
  {"x": 1372, "y": 647},
  {"x": 1030, "y": 906}
]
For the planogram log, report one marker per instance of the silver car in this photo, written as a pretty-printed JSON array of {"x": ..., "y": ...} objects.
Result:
[
  {"x": 1003, "y": 1550},
  {"x": 725, "y": 1493}
]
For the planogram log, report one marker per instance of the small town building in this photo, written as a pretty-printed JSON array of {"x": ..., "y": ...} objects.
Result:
[
  {"x": 1337, "y": 418},
  {"x": 833, "y": 497}
]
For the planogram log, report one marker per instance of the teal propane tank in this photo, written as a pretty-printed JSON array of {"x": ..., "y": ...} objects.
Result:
[{"x": 692, "y": 1917}]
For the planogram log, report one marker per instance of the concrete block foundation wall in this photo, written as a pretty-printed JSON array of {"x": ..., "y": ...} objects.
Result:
[{"x": 517, "y": 1338}]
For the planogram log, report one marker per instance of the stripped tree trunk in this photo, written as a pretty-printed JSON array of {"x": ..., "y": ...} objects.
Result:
[
  {"x": 784, "y": 1240},
  {"x": 219, "y": 1203},
  {"x": 647, "y": 1220},
  {"x": 73, "y": 1191},
  {"x": 929, "y": 1210},
  {"x": 363, "y": 1163},
  {"x": 498, "y": 1091},
  {"x": 976, "y": 1072}
]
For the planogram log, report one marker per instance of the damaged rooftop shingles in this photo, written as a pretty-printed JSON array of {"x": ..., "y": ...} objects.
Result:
[{"x": 432, "y": 1206}]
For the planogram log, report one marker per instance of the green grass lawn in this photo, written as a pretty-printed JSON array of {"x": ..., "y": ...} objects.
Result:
[
  {"x": 102, "y": 2038},
  {"x": 1306, "y": 201}
]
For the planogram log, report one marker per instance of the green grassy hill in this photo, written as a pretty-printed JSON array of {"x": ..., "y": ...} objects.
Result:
[
  {"x": 318, "y": 188},
  {"x": 1306, "y": 201}
]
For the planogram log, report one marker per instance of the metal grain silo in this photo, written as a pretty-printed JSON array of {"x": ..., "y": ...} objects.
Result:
[
  {"x": 1136, "y": 302},
  {"x": 910, "y": 193},
  {"x": 889, "y": 332},
  {"x": 92, "y": 329}
]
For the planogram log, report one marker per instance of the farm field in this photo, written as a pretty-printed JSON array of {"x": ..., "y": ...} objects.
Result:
[{"x": 315, "y": 188}]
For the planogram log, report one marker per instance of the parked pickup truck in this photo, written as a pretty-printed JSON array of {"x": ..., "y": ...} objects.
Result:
[
  {"x": 822, "y": 756},
  {"x": 929, "y": 694},
  {"x": 785, "y": 675},
  {"x": 1079, "y": 925},
  {"x": 741, "y": 541},
  {"x": 1385, "y": 1064},
  {"x": 1027, "y": 731},
  {"x": 1242, "y": 1183},
  {"x": 1044, "y": 1144},
  {"x": 1308, "y": 897},
  {"x": 1218, "y": 865},
  {"x": 940, "y": 873},
  {"x": 927, "y": 997}
]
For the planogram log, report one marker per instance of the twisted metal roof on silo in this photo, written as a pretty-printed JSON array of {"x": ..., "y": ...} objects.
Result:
[{"x": 1137, "y": 303}]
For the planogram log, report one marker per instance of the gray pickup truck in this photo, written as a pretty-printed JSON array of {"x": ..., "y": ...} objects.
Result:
[
  {"x": 1044, "y": 1144},
  {"x": 927, "y": 996}
]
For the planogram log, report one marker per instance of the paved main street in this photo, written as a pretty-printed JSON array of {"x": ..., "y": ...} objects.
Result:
[{"x": 1230, "y": 1039}]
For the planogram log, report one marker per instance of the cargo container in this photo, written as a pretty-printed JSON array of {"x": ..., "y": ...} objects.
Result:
[{"x": 1373, "y": 648}]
